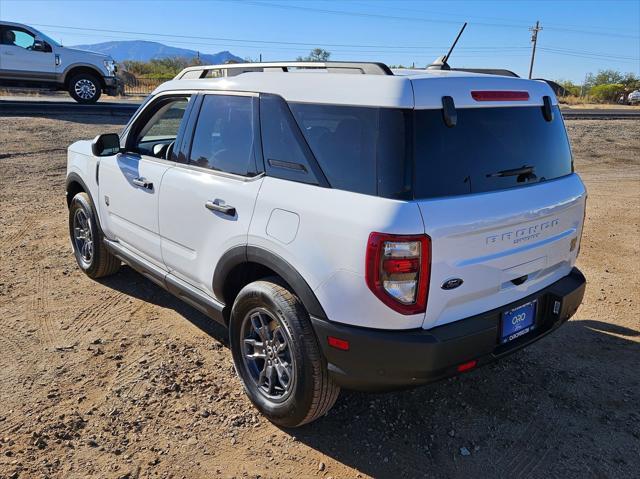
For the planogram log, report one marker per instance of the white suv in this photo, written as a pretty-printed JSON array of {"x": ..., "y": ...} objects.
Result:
[{"x": 352, "y": 226}]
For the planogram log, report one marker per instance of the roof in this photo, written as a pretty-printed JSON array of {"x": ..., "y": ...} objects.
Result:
[
  {"x": 489, "y": 71},
  {"x": 422, "y": 89},
  {"x": 13, "y": 24}
]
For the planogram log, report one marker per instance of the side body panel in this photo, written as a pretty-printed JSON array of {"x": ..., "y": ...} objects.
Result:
[
  {"x": 129, "y": 212},
  {"x": 82, "y": 163},
  {"x": 194, "y": 238},
  {"x": 21, "y": 64},
  {"x": 323, "y": 233}
]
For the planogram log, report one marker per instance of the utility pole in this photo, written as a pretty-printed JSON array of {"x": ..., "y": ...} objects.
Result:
[{"x": 534, "y": 40}]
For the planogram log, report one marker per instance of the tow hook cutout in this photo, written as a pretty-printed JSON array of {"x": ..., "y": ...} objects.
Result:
[{"x": 520, "y": 280}]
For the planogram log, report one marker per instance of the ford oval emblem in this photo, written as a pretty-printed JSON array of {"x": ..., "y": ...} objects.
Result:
[{"x": 452, "y": 283}]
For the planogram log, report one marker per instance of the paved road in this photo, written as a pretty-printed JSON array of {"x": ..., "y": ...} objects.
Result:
[
  {"x": 10, "y": 106},
  {"x": 597, "y": 114}
]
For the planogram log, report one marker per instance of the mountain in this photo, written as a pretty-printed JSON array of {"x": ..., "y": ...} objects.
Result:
[{"x": 144, "y": 51}]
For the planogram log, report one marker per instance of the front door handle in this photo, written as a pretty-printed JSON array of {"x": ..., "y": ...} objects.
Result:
[
  {"x": 218, "y": 205},
  {"x": 142, "y": 183}
]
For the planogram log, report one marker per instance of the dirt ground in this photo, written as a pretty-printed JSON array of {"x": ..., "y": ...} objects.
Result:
[{"x": 117, "y": 379}]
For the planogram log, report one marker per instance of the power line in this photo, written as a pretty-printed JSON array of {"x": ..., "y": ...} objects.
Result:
[
  {"x": 589, "y": 57},
  {"x": 424, "y": 20},
  {"x": 353, "y": 48},
  {"x": 274, "y": 42},
  {"x": 588, "y": 53},
  {"x": 419, "y": 54},
  {"x": 521, "y": 24}
]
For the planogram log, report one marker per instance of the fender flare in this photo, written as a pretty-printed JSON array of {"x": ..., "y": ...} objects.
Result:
[
  {"x": 64, "y": 76},
  {"x": 75, "y": 177},
  {"x": 255, "y": 254}
]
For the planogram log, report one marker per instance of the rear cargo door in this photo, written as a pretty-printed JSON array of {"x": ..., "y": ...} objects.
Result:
[{"x": 500, "y": 202}]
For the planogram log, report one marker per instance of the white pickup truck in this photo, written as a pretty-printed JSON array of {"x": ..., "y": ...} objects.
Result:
[
  {"x": 355, "y": 227},
  {"x": 29, "y": 58}
]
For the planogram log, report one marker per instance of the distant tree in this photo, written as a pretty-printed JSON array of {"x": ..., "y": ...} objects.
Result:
[
  {"x": 631, "y": 81},
  {"x": 603, "y": 77},
  {"x": 571, "y": 88},
  {"x": 610, "y": 85},
  {"x": 316, "y": 55}
]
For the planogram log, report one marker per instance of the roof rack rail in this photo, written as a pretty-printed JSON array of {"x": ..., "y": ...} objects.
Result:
[{"x": 233, "y": 69}]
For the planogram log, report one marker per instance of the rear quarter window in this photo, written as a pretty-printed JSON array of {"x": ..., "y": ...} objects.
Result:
[{"x": 359, "y": 149}]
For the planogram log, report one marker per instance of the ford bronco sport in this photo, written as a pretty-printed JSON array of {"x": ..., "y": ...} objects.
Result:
[
  {"x": 352, "y": 226},
  {"x": 29, "y": 58}
]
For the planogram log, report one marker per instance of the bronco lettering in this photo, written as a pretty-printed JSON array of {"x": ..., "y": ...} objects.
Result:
[{"x": 523, "y": 234}]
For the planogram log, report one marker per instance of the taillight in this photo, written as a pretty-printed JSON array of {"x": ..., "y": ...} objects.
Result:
[
  {"x": 493, "y": 95},
  {"x": 398, "y": 270}
]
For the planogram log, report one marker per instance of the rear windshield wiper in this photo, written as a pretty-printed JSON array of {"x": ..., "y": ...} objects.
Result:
[{"x": 524, "y": 173}]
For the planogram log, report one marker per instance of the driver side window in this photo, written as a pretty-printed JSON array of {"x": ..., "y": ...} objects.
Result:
[
  {"x": 157, "y": 131},
  {"x": 17, "y": 38}
]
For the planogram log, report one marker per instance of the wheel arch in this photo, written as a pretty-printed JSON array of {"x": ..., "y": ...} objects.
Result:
[
  {"x": 83, "y": 68},
  {"x": 242, "y": 265},
  {"x": 75, "y": 185}
]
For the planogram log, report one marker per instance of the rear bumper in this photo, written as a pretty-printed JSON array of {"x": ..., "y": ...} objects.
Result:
[{"x": 380, "y": 360}]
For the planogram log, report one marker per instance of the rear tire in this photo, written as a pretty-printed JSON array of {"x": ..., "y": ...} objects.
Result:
[
  {"x": 85, "y": 88},
  {"x": 282, "y": 367},
  {"x": 89, "y": 249}
]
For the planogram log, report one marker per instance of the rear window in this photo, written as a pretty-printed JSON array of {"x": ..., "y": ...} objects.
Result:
[
  {"x": 407, "y": 154},
  {"x": 489, "y": 149}
]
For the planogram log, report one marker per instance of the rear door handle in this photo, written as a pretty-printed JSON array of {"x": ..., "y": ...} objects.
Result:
[
  {"x": 218, "y": 205},
  {"x": 142, "y": 183}
]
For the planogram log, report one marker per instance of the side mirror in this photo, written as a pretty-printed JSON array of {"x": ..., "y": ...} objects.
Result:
[
  {"x": 41, "y": 46},
  {"x": 106, "y": 145}
]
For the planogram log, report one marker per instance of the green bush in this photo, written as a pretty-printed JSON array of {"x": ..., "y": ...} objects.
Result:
[{"x": 607, "y": 92}]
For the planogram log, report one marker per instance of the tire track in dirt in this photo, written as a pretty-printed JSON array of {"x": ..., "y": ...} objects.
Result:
[
  {"x": 528, "y": 451},
  {"x": 14, "y": 350},
  {"x": 11, "y": 239},
  {"x": 132, "y": 374},
  {"x": 99, "y": 314},
  {"x": 39, "y": 309}
]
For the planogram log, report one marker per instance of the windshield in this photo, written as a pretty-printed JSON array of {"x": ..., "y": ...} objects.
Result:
[{"x": 47, "y": 38}]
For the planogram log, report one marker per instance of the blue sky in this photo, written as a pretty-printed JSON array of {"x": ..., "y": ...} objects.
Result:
[{"x": 577, "y": 37}]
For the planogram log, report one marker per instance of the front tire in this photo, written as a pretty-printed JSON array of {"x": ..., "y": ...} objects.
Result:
[
  {"x": 85, "y": 88},
  {"x": 89, "y": 249},
  {"x": 277, "y": 356}
]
